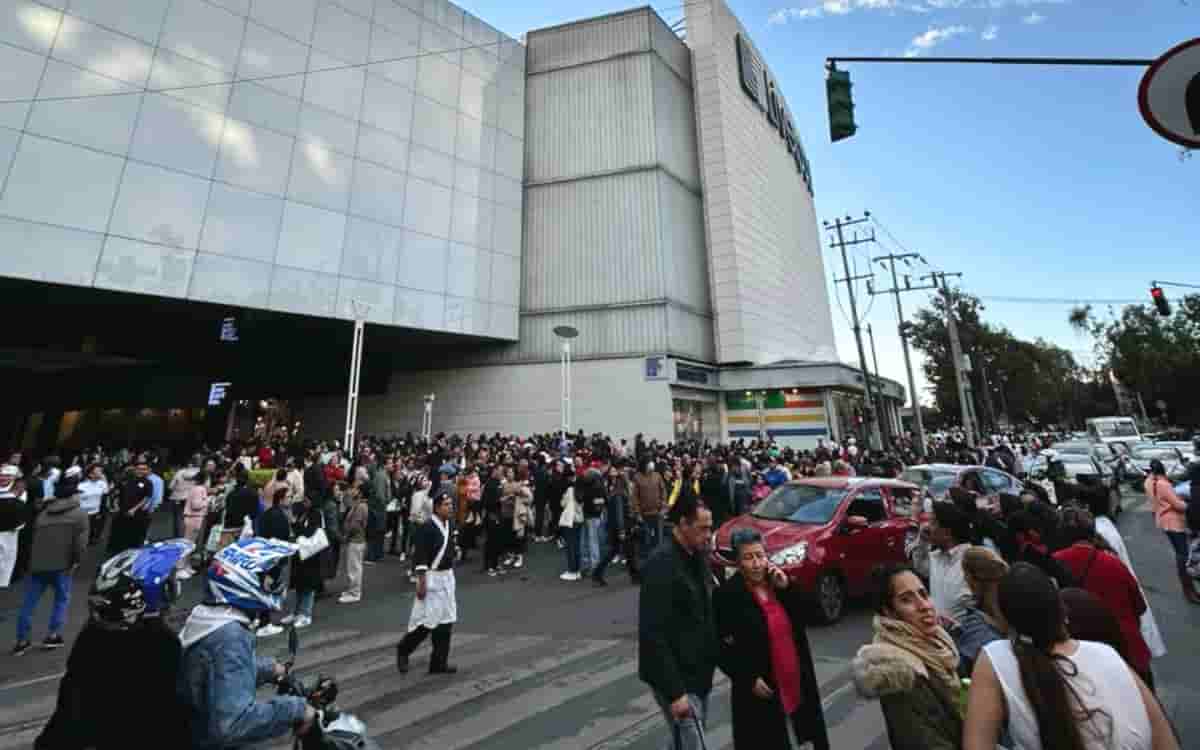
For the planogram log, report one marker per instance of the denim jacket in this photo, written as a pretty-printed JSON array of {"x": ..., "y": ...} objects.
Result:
[{"x": 218, "y": 679}]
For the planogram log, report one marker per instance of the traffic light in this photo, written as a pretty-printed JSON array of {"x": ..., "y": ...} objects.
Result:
[
  {"x": 1160, "y": 301},
  {"x": 841, "y": 105}
]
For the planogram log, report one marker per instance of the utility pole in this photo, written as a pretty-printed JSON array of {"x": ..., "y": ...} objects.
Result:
[
  {"x": 918, "y": 421},
  {"x": 939, "y": 279},
  {"x": 872, "y": 425},
  {"x": 884, "y": 428}
]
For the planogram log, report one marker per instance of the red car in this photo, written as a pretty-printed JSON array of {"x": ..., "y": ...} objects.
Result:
[{"x": 828, "y": 534}]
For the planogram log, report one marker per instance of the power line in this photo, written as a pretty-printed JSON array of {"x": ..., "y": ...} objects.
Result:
[
  {"x": 277, "y": 76},
  {"x": 1060, "y": 300}
]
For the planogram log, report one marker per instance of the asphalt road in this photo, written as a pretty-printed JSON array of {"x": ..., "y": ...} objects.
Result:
[{"x": 548, "y": 665}]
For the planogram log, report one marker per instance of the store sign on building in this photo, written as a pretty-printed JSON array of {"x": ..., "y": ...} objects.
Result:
[{"x": 760, "y": 86}]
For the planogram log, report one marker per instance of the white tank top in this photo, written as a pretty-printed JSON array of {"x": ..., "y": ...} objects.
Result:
[{"x": 1103, "y": 681}]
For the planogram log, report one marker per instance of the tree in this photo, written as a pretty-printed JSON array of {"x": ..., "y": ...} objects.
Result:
[
  {"x": 1028, "y": 382},
  {"x": 1158, "y": 358}
]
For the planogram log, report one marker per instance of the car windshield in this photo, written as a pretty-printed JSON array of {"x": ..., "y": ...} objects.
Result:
[
  {"x": 1146, "y": 454},
  {"x": 800, "y": 503},
  {"x": 936, "y": 482},
  {"x": 1115, "y": 429}
]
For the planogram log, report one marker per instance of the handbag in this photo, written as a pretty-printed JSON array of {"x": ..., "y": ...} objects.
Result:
[
  {"x": 307, "y": 546},
  {"x": 247, "y": 528}
]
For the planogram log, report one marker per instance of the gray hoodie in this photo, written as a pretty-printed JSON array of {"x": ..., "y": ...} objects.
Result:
[{"x": 59, "y": 537}]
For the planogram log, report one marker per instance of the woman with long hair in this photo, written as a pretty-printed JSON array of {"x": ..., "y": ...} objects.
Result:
[
  {"x": 1169, "y": 515},
  {"x": 982, "y": 621},
  {"x": 911, "y": 666},
  {"x": 1052, "y": 691},
  {"x": 764, "y": 650}
]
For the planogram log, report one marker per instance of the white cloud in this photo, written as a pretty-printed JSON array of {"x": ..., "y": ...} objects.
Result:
[
  {"x": 824, "y": 8},
  {"x": 933, "y": 37},
  {"x": 828, "y": 8},
  {"x": 990, "y": 33},
  {"x": 1033, "y": 19}
]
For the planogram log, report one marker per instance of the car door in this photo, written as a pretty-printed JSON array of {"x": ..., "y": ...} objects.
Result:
[
  {"x": 996, "y": 483},
  {"x": 864, "y": 548}
]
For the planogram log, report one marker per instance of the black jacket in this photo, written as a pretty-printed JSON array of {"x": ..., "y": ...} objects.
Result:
[
  {"x": 242, "y": 502},
  {"x": 119, "y": 685},
  {"x": 677, "y": 641},
  {"x": 745, "y": 655},
  {"x": 274, "y": 524},
  {"x": 306, "y": 574}
]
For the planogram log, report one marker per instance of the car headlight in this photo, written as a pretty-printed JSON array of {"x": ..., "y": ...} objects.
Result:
[{"x": 793, "y": 555}]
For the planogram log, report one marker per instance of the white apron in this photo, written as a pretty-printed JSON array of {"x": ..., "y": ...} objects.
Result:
[
  {"x": 439, "y": 606},
  {"x": 8, "y": 556}
]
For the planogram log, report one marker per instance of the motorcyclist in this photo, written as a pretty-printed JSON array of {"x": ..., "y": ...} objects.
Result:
[
  {"x": 124, "y": 659},
  {"x": 220, "y": 672}
]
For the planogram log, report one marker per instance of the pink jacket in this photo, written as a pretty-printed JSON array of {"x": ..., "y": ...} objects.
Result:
[
  {"x": 195, "y": 508},
  {"x": 1168, "y": 508}
]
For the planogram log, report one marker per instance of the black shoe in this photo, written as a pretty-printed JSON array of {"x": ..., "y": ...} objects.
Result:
[
  {"x": 599, "y": 583},
  {"x": 401, "y": 663},
  {"x": 443, "y": 670},
  {"x": 21, "y": 647},
  {"x": 52, "y": 642}
]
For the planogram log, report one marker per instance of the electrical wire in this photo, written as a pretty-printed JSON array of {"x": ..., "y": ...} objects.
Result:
[{"x": 278, "y": 76}]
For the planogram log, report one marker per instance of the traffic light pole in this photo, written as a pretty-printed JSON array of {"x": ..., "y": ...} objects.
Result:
[
  {"x": 918, "y": 420},
  {"x": 873, "y": 438}
]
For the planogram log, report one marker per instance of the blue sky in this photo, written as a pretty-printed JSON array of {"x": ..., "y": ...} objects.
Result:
[{"x": 1032, "y": 181}]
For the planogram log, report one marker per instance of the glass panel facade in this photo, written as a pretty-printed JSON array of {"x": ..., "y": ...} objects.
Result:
[{"x": 395, "y": 184}]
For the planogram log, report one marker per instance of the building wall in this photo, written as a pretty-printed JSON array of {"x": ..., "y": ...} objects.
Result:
[
  {"x": 520, "y": 399},
  {"x": 397, "y": 183},
  {"x": 614, "y": 237},
  {"x": 769, "y": 283}
]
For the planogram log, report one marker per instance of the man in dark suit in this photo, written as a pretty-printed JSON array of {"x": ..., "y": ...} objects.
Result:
[{"x": 677, "y": 643}]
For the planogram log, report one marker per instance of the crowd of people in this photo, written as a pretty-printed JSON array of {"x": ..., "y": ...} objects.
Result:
[{"x": 960, "y": 610}]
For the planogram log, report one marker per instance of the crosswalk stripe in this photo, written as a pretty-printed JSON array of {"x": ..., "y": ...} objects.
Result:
[{"x": 471, "y": 729}]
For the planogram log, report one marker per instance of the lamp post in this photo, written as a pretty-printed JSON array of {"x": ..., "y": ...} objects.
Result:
[
  {"x": 427, "y": 418},
  {"x": 360, "y": 309},
  {"x": 566, "y": 333}
]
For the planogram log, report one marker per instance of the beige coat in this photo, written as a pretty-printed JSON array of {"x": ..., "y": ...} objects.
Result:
[{"x": 524, "y": 502}]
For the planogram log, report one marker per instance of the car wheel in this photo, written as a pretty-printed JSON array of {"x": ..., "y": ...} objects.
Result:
[{"x": 831, "y": 597}]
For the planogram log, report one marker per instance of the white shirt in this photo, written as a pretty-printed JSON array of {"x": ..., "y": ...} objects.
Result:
[
  {"x": 91, "y": 494},
  {"x": 1107, "y": 531},
  {"x": 947, "y": 582},
  {"x": 1102, "y": 681}
]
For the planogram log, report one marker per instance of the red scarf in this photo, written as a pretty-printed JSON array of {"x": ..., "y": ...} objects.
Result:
[{"x": 785, "y": 665}]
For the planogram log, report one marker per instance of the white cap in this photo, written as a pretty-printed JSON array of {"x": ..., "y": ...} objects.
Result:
[{"x": 73, "y": 471}]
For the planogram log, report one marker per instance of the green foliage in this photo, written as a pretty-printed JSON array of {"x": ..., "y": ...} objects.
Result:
[
  {"x": 260, "y": 477},
  {"x": 1039, "y": 383},
  {"x": 1157, "y": 357}
]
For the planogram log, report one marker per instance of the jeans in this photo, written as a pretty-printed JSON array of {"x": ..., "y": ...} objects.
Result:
[
  {"x": 375, "y": 540},
  {"x": 573, "y": 536},
  {"x": 354, "y": 568},
  {"x": 689, "y": 733},
  {"x": 1179, "y": 542},
  {"x": 176, "y": 518},
  {"x": 651, "y": 530},
  {"x": 304, "y": 602},
  {"x": 589, "y": 555},
  {"x": 35, "y": 586},
  {"x": 612, "y": 549}
]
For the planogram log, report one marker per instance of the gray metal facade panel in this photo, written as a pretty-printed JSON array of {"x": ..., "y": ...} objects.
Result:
[
  {"x": 681, "y": 228},
  {"x": 590, "y": 119},
  {"x": 675, "y": 124},
  {"x": 597, "y": 39},
  {"x": 690, "y": 335},
  {"x": 592, "y": 242},
  {"x": 670, "y": 47},
  {"x": 602, "y": 333}
]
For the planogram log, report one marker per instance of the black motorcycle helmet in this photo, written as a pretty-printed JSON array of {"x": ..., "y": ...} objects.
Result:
[{"x": 116, "y": 600}]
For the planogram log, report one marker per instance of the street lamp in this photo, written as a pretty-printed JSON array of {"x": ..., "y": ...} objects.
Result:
[
  {"x": 427, "y": 418},
  {"x": 566, "y": 333}
]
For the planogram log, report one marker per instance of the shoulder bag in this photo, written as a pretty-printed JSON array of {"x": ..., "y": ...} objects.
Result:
[{"x": 311, "y": 545}]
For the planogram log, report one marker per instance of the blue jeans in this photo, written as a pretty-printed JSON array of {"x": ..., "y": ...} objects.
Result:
[
  {"x": 304, "y": 602},
  {"x": 1179, "y": 543},
  {"x": 589, "y": 557},
  {"x": 572, "y": 537},
  {"x": 35, "y": 586},
  {"x": 689, "y": 733},
  {"x": 651, "y": 530}
]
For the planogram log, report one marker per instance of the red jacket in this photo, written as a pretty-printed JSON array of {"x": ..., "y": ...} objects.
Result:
[{"x": 1112, "y": 583}]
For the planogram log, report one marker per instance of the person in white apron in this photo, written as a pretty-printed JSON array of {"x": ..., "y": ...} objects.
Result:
[
  {"x": 435, "y": 609},
  {"x": 11, "y": 520}
]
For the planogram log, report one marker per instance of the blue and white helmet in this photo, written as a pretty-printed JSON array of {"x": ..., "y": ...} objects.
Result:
[
  {"x": 137, "y": 583},
  {"x": 251, "y": 574}
]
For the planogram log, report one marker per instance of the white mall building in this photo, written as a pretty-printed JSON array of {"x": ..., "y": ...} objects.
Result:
[{"x": 404, "y": 162}]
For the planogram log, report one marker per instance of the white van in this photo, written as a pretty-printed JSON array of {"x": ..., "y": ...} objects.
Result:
[{"x": 1113, "y": 430}]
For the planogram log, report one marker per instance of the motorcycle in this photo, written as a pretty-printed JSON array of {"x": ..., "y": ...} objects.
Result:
[{"x": 333, "y": 729}]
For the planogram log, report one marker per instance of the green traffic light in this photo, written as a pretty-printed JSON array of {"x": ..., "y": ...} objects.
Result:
[{"x": 841, "y": 105}]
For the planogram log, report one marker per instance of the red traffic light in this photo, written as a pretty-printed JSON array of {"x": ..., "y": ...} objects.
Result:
[{"x": 1160, "y": 301}]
